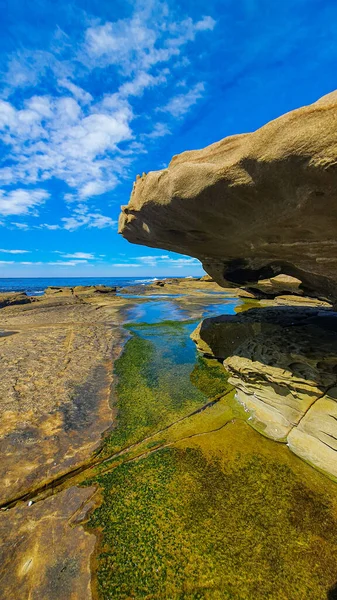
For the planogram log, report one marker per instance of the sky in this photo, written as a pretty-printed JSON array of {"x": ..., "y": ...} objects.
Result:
[{"x": 93, "y": 93}]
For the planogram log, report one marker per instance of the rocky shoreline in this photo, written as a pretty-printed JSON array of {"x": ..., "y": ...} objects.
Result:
[
  {"x": 133, "y": 466},
  {"x": 97, "y": 420},
  {"x": 259, "y": 211}
]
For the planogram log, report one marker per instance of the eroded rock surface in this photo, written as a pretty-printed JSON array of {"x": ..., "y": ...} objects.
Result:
[
  {"x": 55, "y": 385},
  {"x": 273, "y": 287},
  {"x": 79, "y": 290},
  {"x": 43, "y": 556},
  {"x": 250, "y": 206},
  {"x": 283, "y": 363},
  {"x": 14, "y": 298}
]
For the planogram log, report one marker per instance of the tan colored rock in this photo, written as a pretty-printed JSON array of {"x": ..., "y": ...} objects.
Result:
[
  {"x": 45, "y": 554},
  {"x": 54, "y": 290},
  {"x": 250, "y": 206},
  {"x": 14, "y": 298},
  {"x": 315, "y": 438},
  {"x": 79, "y": 290},
  {"x": 283, "y": 363},
  {"x": 299, "y": 301},
  {"x": 56, "y": 373},
  {"x": 275, "y": 286}
]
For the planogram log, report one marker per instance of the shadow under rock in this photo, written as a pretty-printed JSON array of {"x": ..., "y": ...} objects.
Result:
[{"x": 301, "y": 339}]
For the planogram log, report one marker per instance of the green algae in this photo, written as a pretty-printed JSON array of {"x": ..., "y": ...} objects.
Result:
[
  {"x": 160, "y": 379},
  {"x": 199, "y": 506},
  {"x": 209, "y": 376},
  {"x": 247, "y": 304},
  {"x": 225, "y": 519}
]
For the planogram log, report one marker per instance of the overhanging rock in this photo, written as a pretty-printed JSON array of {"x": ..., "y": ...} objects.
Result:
[{"x": 250, "y": 206}]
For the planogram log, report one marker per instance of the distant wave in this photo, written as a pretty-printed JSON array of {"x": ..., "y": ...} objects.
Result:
[{"x": 146, "y": 280}]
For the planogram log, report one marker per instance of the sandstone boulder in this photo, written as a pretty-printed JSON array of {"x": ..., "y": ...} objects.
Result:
[
  {"x": 207, "y": 278},
  {"x": 275, "y": 286},
  {"x": 12, "y": 298},
  {"x": 250, "y": 206},
  {"x": 79, "y": 290},
  {"x": 283, "y": 364}
]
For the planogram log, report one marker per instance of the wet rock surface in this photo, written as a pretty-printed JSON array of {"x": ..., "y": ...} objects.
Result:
[{"x": 250, "y": 206}]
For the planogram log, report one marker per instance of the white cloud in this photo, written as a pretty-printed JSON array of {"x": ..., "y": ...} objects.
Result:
[
  {"x": 94, "y": 188},
  {"x": 14, "y": 251},
  {"x": 141, "y": 81},
  {"x": 50, "y": 227},
  {"x": 82, "y": 217},
  {"x": 164, "y": 261},
  {"x": 161, "y": 261},
  {"x": 21, "y": 202},
  {"x": 20, "y": 225},
  {"x": 81, "y": 255},
  {"x": 89, "y": 142},
  {"x": 126, "y": 265},
  {"x": 80, "y": 94},
  {"x": 148, "y": 38},
  {"x": 206, "y": 23},
  {"x": 53, "y": 138},
  {"x": 67, "y": 263},
  {"x": 159, "y": 130},
  {"x": 179, "y": 105}
]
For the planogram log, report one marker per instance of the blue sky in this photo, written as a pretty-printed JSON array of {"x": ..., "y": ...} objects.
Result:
[{"x": 93, "y": 93}]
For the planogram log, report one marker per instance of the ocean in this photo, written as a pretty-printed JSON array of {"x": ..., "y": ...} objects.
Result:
[{"x": 35, "y": 286}]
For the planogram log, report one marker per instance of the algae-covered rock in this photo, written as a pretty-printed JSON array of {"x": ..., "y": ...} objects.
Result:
[{"x": 250, "y": 206}]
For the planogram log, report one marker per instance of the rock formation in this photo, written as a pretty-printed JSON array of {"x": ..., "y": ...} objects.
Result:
[
  {"x": 13, "y": 298},
  {"x": 79, "y": 290},
  {"x": 259, "y": 211},
  {"x": 275, "y": 286},
  {"x": 283, "y": 364},
  {"x": 250, "y": 206}
]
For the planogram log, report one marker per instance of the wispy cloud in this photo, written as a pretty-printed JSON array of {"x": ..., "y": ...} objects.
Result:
[
  {"x": 159, "y": 261},
  {"x": 159, "y": 130},
  {"x": 14, "y": 251},
  {"x": 22, "y": 226},
  {"x": 67, "y": 263},
  {"x": 84, "y": 140},
  {"x": 179, "y": 105},
  {"x": 47, "y": 226},
  {"x": 81, "y": 216},
  {"x": 126, "y": 265},
  {"x": 21, "y": 202},
  {"x": 80, "y": 255}
]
